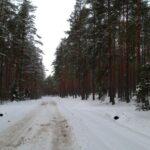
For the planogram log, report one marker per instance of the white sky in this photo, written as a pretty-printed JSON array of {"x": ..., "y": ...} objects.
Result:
[{"x": 51, "y": 22}]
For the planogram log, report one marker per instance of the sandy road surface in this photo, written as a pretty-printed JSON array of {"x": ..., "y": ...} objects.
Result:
[{"x": 42, "y": 128}]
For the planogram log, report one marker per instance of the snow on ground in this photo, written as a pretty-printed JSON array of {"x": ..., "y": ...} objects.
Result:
[
  {"x": 95, "y": 128},
  {"x": 14, "y": 111},
  {"x": 53, "y": 123}
]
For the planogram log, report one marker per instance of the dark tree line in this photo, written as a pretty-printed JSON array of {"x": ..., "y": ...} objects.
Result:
[
  {"x": 21, "y": 68},
  {"x": 107, "y": 51}
]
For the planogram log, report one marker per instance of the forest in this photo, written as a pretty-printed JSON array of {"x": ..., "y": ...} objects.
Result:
[
  {"x": 97, "y": 97},
  {"x": 21, "y": 68},
  {"x": 106, "y": 52}
]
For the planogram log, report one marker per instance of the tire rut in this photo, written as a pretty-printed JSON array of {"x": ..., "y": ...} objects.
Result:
[
  {"x": 62, "y": 134},
  {"x": 13, "y": 137},
  {"x": 45, "y": 124}
]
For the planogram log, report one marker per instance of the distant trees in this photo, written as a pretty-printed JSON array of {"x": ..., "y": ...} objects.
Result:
[
  {"x": 106, "y": 51},
  {"x": 49, "y": 86},
  {"x": 21, "y": 68}
]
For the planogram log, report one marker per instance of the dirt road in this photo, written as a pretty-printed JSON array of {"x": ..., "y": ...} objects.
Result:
[
  {"x": 42, "y": 128},
  {"x": 52, "y": 123}
]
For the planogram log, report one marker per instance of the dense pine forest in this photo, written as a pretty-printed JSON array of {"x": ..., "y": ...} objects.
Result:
[
  {"x": 21, "y": 68},
  {"x": 97, "y": 93},
  {"x": 106, "y": 52}
]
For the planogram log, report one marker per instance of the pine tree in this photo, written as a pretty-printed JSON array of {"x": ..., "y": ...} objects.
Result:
[
  {"x": 143, "y": 88},
  {"x": 107, "y": 44},
  {"x": 21, "y": 68},
  {"x": 7, "y": 13}
]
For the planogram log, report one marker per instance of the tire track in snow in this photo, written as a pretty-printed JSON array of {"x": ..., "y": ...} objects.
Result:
[
  {"x": 12, "y": 137},
  {"x": 102, "y": 133},
  {"x": 42, "y": 128},
  {"x": 62, "y": 135}
]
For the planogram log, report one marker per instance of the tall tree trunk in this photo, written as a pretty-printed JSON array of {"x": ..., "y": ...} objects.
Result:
[
  {"x": 93, "y": 55},
  {"x": 138, "y": 37},
  {"x": 111, "y": 88},
  {"x": 127, "y": 54}
]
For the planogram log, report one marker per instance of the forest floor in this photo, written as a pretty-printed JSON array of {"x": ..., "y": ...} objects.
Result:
[{"x": 53, "y": 123}]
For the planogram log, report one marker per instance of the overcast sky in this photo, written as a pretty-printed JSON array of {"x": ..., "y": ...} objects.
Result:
[{"x": 51, "y": 22}]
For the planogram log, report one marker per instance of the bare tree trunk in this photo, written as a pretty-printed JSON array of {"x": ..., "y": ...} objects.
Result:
[
  {"x": 127, "y": 54},
  {"x": 138, "y": 37},
  {"x": 111, "y": 77}
]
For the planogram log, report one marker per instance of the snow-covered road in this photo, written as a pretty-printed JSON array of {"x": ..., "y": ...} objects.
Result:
[
  {"x": 65, "y": 124},
  {"x": 95, "y": 128},
  {"x": 42, "y": 128}
]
